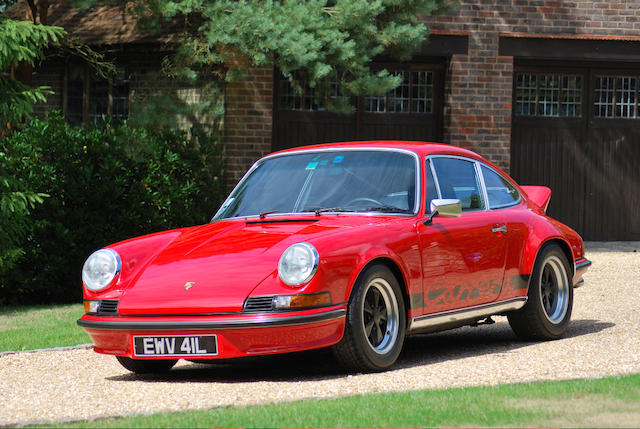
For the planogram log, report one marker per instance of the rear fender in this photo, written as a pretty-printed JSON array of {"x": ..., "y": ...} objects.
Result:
[{"x": 533, "y": 248}]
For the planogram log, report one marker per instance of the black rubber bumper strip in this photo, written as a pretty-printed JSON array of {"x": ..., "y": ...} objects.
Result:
[
  {"x": 584, "y": 264},
  {"x": 194, "y": 324}
]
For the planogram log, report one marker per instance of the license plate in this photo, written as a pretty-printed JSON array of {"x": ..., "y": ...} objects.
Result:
[{"x": 175, "y": 345}]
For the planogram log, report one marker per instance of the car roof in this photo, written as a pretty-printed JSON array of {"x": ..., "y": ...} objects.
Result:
[{"x": 420, "y": 148}]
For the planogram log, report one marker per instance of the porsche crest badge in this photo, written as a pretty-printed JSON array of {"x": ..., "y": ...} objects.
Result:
[{"x": 189, "y": 285}]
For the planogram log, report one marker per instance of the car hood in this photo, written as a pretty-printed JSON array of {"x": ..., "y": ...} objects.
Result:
[{"x": 214, "y": 267}]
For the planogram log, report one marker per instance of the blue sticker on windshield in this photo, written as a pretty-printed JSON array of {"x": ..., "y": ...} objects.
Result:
[
  {"x": 311, "y": 166},
  {"x": 338, "y": 158}
]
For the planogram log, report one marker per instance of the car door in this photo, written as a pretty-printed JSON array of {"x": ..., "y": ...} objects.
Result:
[{"x": 463, "y": 258}]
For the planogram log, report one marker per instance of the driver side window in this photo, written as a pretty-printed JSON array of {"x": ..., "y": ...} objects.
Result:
[{"x": 457, "y": 179}]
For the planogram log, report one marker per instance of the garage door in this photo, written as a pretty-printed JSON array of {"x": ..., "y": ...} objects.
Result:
[
  {"x": 576, "y": 129},
  {"x": 413, "y": 111}
]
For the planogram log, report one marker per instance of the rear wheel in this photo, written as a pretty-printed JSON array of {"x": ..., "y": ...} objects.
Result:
[
  {"x": 547, "y": 313},
  {"x": 140, "y": 366},
  {"x": 375, "y": 325}
]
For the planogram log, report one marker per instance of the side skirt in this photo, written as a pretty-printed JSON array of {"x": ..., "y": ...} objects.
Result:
[{"x": 464, "y": 316}]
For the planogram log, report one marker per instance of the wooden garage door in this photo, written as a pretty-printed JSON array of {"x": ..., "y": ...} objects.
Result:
[
  {"x": 577, "y": 130},
  {"x": 413, "y": 111}
]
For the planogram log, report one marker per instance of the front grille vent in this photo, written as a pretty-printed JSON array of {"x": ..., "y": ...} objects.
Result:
[
  {"x": 258, "y": 304},
  {"x": 108, "y": 306}
]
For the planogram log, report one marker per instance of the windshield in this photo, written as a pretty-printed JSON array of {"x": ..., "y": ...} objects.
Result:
[{"x": 341, "y": 180}]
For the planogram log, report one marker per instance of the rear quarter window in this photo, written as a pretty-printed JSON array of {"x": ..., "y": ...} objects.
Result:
[{"x": 500, "y": 192}]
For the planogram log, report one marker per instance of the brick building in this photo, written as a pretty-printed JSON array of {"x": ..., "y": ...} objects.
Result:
[{"x": 547, "y": 89}]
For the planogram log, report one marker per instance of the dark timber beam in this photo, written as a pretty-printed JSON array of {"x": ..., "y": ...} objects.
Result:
[{"x": 569, "y": 49}]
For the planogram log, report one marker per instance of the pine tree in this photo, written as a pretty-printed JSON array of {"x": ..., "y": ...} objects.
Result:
[
  {"x": 318, "y": 43},
  {"x": 21, "y": 42}
]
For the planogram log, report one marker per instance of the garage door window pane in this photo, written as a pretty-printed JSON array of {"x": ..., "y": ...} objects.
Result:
[
  {"x": 399, "y": 97},
  {"x": 457, "y": 179},
  {"x": 616, "y": 97},
  {"x": 501, "y": 193},
  {"x": 626, "y": 97},
  {"x": 422, "y": 92},
  {"x": 571, "y": 104},
  {"x": 604, "y": 97},
  {"x": 413, "y": 95},
  {"x": 526, "y": 94},
  {"x": 550, "y": 95}
]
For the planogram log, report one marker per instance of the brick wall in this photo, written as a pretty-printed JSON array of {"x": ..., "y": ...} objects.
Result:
[
  {"x": 248, "y": 121},
  {"x": 478, "y": 93}
]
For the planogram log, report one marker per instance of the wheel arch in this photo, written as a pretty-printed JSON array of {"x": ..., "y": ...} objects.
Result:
[
  {"x": 395, "y": 270},
  {"x": 564, "y": 246}
]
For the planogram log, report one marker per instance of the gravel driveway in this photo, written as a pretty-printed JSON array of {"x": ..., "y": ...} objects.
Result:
[{"x": 603, "y": 339}]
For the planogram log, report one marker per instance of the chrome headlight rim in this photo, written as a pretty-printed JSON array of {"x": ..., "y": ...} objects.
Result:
[
  {"x": 117, "y": 266},
  {"x": 312, "y": 269}
]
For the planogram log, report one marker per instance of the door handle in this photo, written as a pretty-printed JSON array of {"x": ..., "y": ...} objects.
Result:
[{"x": 498, "y": 229}]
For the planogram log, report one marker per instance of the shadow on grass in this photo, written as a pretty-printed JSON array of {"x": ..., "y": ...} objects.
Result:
[{"x": 318, "y": 365}]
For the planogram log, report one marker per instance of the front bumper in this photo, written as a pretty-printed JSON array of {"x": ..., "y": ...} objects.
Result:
[
  {"x": 237, "y": 335},
  {"x": 582, "y": 265}
]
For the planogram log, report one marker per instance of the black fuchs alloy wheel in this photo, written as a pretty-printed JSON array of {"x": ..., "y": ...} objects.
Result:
[
  {"x": 547, "y": 313},
  {"x": 376, "y": 322}
]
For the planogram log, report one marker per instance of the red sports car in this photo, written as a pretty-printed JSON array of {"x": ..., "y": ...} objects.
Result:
[{"x": 351, "y": 246}]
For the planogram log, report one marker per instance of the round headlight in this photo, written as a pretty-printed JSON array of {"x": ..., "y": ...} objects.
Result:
[
  {"x": 100, "y": 269},
  {"x": 298, "y": 264}
]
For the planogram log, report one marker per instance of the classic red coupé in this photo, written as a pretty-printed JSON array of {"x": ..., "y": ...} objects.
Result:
[{"x": 351, "y": 246}]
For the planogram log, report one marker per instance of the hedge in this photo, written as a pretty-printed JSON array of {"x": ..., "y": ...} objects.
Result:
[{"x": 103, "y": 185}]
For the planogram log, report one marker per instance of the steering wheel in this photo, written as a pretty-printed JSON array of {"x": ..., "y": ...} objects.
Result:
[{"x": 364, "y": 199}]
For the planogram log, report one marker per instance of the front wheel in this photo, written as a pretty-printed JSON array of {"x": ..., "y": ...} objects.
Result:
[
  {"x": 547, "y": 312},
  {"x": 376, "y": 322},
  {"x": 140, "y": 366}
]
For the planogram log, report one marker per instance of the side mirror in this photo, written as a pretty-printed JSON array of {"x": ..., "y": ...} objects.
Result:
[{"x": 444, "y": 208}]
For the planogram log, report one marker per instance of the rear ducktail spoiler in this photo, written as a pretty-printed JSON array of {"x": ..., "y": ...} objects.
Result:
[{"x": 540, "y": 195}]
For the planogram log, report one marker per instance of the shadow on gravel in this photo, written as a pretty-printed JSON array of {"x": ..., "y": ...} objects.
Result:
[
  {"x": 484, "y": 340},
  {"x": 318, "y": 365}
]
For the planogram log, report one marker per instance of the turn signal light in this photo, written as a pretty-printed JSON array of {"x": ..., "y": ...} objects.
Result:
[
  {"x": 284, "y": 302},
  {"x": 91, "y": 306}
]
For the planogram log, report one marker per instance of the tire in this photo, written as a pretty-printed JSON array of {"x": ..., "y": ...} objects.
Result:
[
  {"x": 547, "y": 313},
  {"x": 140, "y": 366},
  {"x": 376, "y": 322}
]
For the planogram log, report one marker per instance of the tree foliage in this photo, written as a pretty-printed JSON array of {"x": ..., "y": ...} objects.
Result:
[
  {"x": 319, "y": 43},
  {"x": 21, "y": 42}
]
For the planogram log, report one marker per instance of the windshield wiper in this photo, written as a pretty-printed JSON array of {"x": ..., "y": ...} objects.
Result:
[
  {"x": 264, "y": 214},
  {"x": 332, "y": 209},
  {"x": 390, "y": 209}
]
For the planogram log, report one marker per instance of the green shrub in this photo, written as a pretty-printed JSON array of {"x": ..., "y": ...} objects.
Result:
[
  {"x": 104, "y": 185},
  {"x": 14, "y": 210}
]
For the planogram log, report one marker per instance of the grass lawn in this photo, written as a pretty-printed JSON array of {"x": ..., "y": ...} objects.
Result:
[
  {"x": 607, "y": 402},
  {"x": 38, "y": 327}
]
